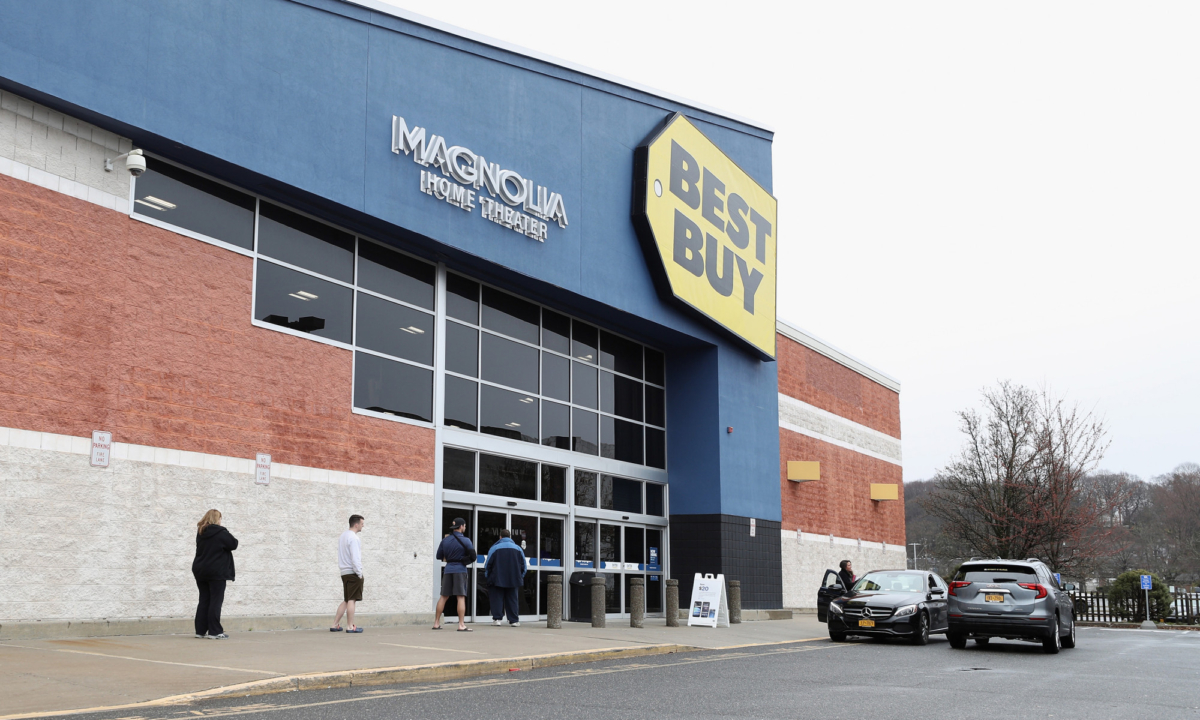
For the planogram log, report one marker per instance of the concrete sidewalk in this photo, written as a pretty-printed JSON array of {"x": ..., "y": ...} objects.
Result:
[{"x": 55, "y": 676}]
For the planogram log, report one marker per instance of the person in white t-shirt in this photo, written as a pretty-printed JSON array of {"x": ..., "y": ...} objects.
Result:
[{"x": 350, "y": 565}]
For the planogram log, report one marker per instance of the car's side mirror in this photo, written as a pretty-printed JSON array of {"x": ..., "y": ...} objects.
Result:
[
  {"x": 1069, "y": 587},
  {"x": 937, "y": 591},
  {"x": 838, "y": 586}
]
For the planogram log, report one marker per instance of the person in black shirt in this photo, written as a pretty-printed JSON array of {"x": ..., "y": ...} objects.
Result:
[{"x": 212, "y": 568}]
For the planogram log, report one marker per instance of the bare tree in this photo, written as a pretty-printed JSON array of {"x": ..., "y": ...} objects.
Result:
[
  {"x": 1172, "y": 530},
  {"x": 1019, "y": 487}
]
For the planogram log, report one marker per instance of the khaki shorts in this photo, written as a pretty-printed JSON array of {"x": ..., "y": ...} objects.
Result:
[{"x": 352, "y": 586}]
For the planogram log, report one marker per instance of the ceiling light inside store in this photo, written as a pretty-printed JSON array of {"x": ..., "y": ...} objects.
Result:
[
  {"x": 513, "y": 424},
  {"x": 587, "y": 357},
  {"x": 160, "y": 201},
  {"x": 412, "y": 330},
  {"x": 526, "y": 400},
  {"x": 152, "y": 205}
]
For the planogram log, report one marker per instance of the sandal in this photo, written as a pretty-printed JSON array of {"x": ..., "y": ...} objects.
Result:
[
  {"x": 354, "y": 629},
  {"x": 436, "y": 627},
  {"x": 465, "y": 630},
  {"x": 336, "y": 629}
]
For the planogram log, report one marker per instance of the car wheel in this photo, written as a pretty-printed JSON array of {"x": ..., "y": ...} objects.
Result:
[
  {"x": 1053, "y": 643},
  {"x": 1069, "y": 641},
  {"x": 837, "y": 637},
  {"x": 958, "y": 642},
  {"x": 982, "y": 641},
  {"x": 921, "y": 637}
]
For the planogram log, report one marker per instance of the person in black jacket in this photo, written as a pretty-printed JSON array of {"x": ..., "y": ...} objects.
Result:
[
  {"x": 846, "y": 574},
  {"x": 212, "y": 568},
  {"x": 505, "y": 574}
]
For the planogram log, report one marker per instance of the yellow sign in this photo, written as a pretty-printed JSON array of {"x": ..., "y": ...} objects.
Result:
[
  {"x": 712, "y": 229},
  {"x": 885, "y": 491},
  {"x": 803, "y": 470}
]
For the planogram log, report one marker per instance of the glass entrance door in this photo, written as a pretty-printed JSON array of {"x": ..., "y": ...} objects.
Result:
[
  {"x": 540, "y": 536},
  {"x": 618, "y": 552}
]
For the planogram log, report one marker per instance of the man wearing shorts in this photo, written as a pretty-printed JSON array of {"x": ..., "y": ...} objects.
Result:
[
  {"x": 350, "y": 565},
  {"x": 454, "y": 550}
]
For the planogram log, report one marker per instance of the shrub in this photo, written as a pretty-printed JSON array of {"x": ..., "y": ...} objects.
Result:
[{"x": 1127, "y": 599}]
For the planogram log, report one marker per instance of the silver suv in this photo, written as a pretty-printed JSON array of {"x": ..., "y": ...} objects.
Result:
[{"x": 1011, "y": 599}]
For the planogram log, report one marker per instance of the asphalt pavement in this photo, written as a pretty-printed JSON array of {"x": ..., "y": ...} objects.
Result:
[{"x": 1111, "y": 674}]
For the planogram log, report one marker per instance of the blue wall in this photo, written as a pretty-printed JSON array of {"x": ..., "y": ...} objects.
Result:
[{"x": 295, "y": 99}]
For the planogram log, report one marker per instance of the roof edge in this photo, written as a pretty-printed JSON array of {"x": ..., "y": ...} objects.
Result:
[
  {"x": 397, "y": 12},
  {"x": 815, "y": 344}
]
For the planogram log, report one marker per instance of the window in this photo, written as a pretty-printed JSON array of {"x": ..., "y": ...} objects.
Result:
[
  {"x": 508, "y": 414},
  {"x": 624, "y": 356},
  {"x": 583, "y": 385},
  {"x": 556, "y": 332},
  {"x": 620, "y": 494},
  {"x": 299, "y": 241},
  {"x": 510, "y": 315},
  {"x": 508, "y": 477},
  {"x": 396, "y": 388},
  {"x": 462, "y": 298},
  {"x": 583, "y": 341},
  {"x": 554, "y": 484},
  {"x": 620, "y": 440},
  {"x": 654, "y": 499},
  {"x": 302, "y": 302},
  {"x": 461, "y": 403},
  {"x": 462, "y": 349},
  {"x": 458, "y": 469},
  {"x": 585, "y": 544},
  {"x": 509, "y": 363},
  {"x": 389, "y": 273},
  {"x": 556, "y": 425},
  {"x": 394, "y": 329},
  {"x": 585, "y": 438},
  {"x": 173, "y": 195},
  {"x": 585, "y": 488}
]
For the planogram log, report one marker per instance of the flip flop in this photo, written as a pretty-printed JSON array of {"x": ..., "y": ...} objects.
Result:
[
  {"x": 336, "y": 629},
  {"x": 465, "y": 630},
  {"x": 355, "y": 630},
  {"x": 436, "y": 627}
]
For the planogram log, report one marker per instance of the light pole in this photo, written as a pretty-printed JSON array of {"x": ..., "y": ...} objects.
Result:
[{"x": 914, "y": 547}]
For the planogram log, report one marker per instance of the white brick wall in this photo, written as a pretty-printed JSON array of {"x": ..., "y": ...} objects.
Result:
[
  {"x": 83, "y": 543},
  {"x": 61, "y": 153},
  {"x": 806, "y": 557}
]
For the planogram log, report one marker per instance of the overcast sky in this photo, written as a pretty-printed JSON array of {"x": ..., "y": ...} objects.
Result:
[{"x": 968, "y": 192}]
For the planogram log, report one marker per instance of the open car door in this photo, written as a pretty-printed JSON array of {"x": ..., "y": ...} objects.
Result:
[{"x": 831, "y": 588}]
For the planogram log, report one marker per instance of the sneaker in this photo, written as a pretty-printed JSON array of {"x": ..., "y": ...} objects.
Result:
[
  {"x": 198, "y": 635},
  {"x": 222, "y": 636},
  {"x": 497, "y": 623},
  {"x": 516, "y": 624}
]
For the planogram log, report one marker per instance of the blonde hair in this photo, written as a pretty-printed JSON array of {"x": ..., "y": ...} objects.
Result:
[{"x": 212, "y": 517}]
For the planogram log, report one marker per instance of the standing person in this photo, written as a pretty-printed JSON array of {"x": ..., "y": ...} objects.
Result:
[
  {"x": 350, "y": 565},
  {"x": 458, "y": 552},
  {"x": 212, "y": 568},
  {"x": 846, "y": 574},
  {"x": 505, "y": 573}
]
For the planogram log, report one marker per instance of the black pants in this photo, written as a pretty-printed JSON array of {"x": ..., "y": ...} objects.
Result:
[
  {"x": 208, "y": 610},
  {"x": 504, "y": 601}
]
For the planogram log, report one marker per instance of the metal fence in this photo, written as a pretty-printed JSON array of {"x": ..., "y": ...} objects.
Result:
[{"x": 1096, "y": 607}]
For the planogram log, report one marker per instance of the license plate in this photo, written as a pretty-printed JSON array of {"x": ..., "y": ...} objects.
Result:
[
  {"x": 994, "y": 598},
  {"x": 866, "y": 623}
]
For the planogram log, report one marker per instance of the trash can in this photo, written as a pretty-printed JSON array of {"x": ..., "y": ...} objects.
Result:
[{"x": 581, "y": 596}]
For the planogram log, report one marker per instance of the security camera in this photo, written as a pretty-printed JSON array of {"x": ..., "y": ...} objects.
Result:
[{"x": 135, "y": 162}]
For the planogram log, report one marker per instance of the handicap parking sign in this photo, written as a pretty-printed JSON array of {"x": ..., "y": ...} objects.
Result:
[{"x": 1146, "y": 585}]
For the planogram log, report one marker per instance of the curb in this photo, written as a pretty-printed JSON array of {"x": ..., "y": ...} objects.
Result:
[
  {"x": 434, "y": 672},
  {"x": 1126, "y": 626}
]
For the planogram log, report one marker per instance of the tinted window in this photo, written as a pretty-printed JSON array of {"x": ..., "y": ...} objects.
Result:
[
  {"x": 585, "y": 541},
  {"x": 462, "y": 298},
  {"x": 622, "y": 495},
  {"x": 635, "y": 545},
  {"x": 621, "y": 396},
  {"x": 617, "y": 353},
  {"x": 653, "y": 550},
  {"x": 509, "y": 363},
  {"x": 510, "y": 315},
  {"x": 585, "y": 488},
  {"x": 583, "y": 384},
  {"x": 654, "y": 499},
  {"x": 656, "y": 448},
  {"x": 390, "y": 273},
  {"x": 585, "y": 436},
  {"x": 461, "y": 409},
  {"x": 655, "y": 372},
  {"x": 462, "y": 349},
  {"x": 556, "y": 425},
  {"x": 584, "y": 341},
  {"x": 508, "y": 414},
  {"x": 458, "y": 470},
  {"x": 656, "y": 411},
  {"x": 556, "y": 332},
  {"x": 996, "y": 573},
  {"x": 306, "y": 243},
  {"x": 166, "y": 193},
  {"x": 302, "y": 302},
  {"x": 394, "y": 329},
  {"x": 620, "y": 440},
  {"x": 392, "y": 387},
  {"x": 506, "y": 476},
  {"x": 554, "y": 484}
]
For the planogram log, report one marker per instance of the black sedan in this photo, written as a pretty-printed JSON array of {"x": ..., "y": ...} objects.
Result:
[{"x": 908, "y": 604}]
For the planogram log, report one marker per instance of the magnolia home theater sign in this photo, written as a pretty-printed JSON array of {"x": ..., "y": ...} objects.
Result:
[{"x": 464, "y": 174}]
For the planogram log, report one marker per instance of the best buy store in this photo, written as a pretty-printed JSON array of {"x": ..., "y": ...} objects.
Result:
[{"x": 430, "y": 275}]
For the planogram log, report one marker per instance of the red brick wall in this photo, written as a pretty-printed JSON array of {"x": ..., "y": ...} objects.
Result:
[
  {"x": 840, "y": 502},
  {"x": 109, "y": 323},
  {"x": 811, "y": 377}
]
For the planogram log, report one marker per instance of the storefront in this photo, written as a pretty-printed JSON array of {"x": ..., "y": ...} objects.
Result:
[{"x": 424, "y": 274}]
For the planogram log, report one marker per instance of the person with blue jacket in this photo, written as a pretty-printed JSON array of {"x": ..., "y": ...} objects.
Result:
[
  {"x": 505, "y": 573},
  {"x": 458, "y": 552}
]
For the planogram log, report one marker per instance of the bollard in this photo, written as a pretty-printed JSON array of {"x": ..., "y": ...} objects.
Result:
[
  {"x": 735, "y": 601},
  {"x": 672, "y": 603},
  {"x": 554, "y": 602},
  {"x": 637, "y": 602},
  {"x": 598, "y": 590}
]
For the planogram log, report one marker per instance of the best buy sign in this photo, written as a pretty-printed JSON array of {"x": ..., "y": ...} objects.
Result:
[{"x": 708, "y": 229}]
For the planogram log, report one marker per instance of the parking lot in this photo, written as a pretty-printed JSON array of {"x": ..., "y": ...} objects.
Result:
[{"x": 1112, "y": 674}]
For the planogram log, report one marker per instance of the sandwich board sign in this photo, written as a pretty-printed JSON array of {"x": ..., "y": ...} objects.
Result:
[{"x": 710, "y": 605}]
